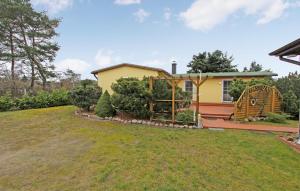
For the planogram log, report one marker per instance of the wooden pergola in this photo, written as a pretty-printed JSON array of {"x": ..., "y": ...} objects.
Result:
[
  {"x": 197, "y": 80},
  {"x": 286, "y": 53}
]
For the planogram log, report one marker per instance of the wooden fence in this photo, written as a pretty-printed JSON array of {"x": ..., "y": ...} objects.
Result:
[{"x": 257, "y": 101}]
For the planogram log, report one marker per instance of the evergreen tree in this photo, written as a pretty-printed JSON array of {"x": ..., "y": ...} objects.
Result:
[
  {"x": 104, "y": 107},
  {"x": 254, "y": 67},
  {"x": 216, "y": 61},
  {"x": 10, "y": 52}
]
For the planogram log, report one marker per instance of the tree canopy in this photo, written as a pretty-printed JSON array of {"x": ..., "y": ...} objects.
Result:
[
  {"x": 254, "y": 67},
  {"x": 216, "y": 61}
]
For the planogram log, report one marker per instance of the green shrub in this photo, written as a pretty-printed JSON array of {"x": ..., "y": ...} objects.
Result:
[
  {"x": 84, "y": 96},
  {"x": 237, "y": 86},
  {"x": 131, "y": 96},
  {"x": 185, "y": 117},
  {"x": 6, "y": 103},
  {"x": 60, "y": 97},
  {"x": 104, "y": 107},
  {"x": 276, "y": 118},
  {"x": 26, "y": 102}
]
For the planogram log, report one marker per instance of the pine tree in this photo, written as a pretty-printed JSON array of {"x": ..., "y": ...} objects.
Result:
[
  {"x": 10, "y": 51},
  {"x": 216, "y": 61}
]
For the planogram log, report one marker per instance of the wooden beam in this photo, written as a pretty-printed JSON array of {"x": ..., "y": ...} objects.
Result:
[
  {"x": 169, "y": 100},
  {"x": 197, "y": 105},
  {"x": 173, "y": 101},
  {"x": 151, "y": 102}
]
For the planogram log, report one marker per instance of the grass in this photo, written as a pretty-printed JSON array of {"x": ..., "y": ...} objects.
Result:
[
  {"x": 288, "y": 123},
  {"x": 51, "y": 149}
]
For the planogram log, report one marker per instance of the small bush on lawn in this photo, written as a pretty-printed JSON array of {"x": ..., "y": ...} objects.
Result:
[
  {"x": 6, "y": 103},
  {"x": 104, "y": 107},
  {"x": 276, "y": 118},
  {"x": 185, "y": 117},
  {"x": 85, "y": 95}
]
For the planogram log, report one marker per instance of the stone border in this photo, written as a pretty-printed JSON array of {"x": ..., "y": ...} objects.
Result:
[
  {"x": 94, "y": 117},
  {"x": 292, "y": 144}
]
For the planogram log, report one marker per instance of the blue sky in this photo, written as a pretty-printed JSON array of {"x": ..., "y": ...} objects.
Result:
[{"x": 100, "y": 33}]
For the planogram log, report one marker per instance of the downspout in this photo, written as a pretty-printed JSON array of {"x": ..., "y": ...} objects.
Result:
[
  {"x": 289, "y": 60},
  {"x": 95, "y": 76}
]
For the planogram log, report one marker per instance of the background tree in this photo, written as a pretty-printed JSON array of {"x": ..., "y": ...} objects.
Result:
[
  {"x": 254, "y": 67},
  {"x": 216, "y": 61},
  {"x": 289, "y": 86},
  {"x": 9, "y": 38}
]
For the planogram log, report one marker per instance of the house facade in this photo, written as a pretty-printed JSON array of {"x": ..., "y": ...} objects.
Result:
[{"x": 215, "y": 90}]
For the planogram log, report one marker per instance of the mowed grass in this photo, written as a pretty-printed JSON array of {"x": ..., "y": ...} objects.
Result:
[
  {"x": 288, "y": 123},
  {"x": 51, "y": 149}
]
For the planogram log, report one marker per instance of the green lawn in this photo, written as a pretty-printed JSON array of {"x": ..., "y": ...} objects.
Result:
[
  {"x": 51, "y": 149},
  {"x": 288, "y": 123}
]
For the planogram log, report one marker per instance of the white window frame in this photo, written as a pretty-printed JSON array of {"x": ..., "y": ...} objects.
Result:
[{"x": 222, "y": 89}]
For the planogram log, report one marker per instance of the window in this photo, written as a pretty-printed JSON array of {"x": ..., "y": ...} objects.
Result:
[
  {"x": 189, "y": 86},
  {"x": 226, "y": 96}
]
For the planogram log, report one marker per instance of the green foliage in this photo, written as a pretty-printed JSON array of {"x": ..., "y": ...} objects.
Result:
[
  {"x": 186, "y": 117},
  {"x": 237, "y": 86},
  {"x": 216, "y": 61},
  {"x": 276, "y": 118},
  {"x": 43, "y": 99},
  {"x": 163, "y": 91},
  {"x": 254, "y": 67},
  {"x": 290, "y": 103},
  {"x": 131, "y": 96},
  {"x": 289, "y": 86},
  {"x": 85, "y": 95},
  {"x": 6, "y": 103},
  {"x": 104, "y": 107}
]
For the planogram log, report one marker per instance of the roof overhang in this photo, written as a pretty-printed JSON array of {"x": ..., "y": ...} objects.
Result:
[
  {"x": 131, "y": 65},
  {"x": 286, "y": 52}
]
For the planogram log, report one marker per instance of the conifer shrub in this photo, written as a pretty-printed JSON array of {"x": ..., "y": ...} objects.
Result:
[{"x": 104, "y": 107}]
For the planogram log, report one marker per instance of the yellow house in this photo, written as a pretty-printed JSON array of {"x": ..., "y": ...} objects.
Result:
[
  {"x": 107, "y": 76},
  {"x": 214, "y": 90}
]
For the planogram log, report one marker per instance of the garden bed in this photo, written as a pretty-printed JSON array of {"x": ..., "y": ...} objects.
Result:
[{"x": 156, "y": 123}]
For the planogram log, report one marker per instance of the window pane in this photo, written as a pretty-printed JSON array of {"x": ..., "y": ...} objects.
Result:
[
  {"x": 188, "y": 86},
  {"x": 226, "y": 96}
]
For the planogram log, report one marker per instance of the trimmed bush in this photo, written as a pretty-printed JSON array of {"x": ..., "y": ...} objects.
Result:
[
  {"x": 104, "y": 107},
  {"x": 6, "y": 103},
  {"x": 276, "y": 118},
  {"x": 84, "y": 96},
  {"x": 131, "y": 96},
  {"x": 185, "y": 117}
]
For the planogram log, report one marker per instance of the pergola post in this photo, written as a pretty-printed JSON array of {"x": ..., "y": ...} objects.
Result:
[
  {"x": 151, "y": 102},
  {"x": 173, "y": 101},
  {"x": 197, "y": 100}
]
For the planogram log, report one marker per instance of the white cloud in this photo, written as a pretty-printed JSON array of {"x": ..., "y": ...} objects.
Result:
[
  {"x": 127, "y": 2},
  {"x": 141, "y": 15},
  {"x": 53, "y": 6},
  {"x": 105, "y": 58},
  {"x": 167, "y": 14},
  {"x": 77, "y": 65},
  {"x": 206, "y": 14}
]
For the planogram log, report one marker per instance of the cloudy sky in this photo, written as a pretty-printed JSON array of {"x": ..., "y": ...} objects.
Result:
[{"x": 99, "y": 33}]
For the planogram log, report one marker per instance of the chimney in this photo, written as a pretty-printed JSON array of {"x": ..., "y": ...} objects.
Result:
[{"x": 174, "y": 67}]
